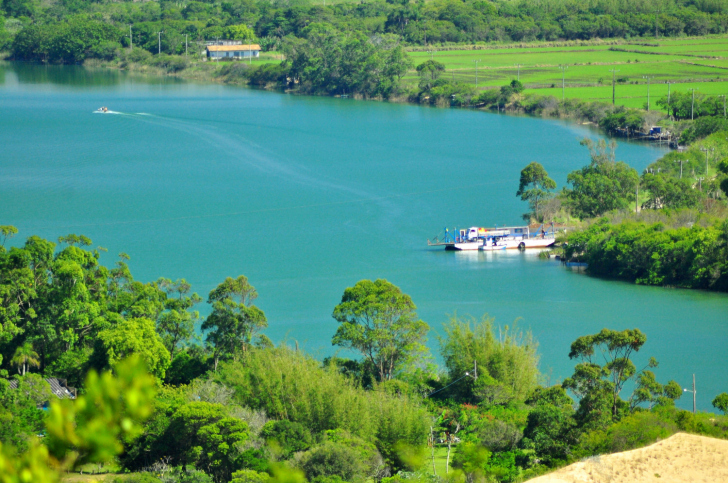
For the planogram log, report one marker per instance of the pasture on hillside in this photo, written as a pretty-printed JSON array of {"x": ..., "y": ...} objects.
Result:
[{"x": 685, "y": 63}]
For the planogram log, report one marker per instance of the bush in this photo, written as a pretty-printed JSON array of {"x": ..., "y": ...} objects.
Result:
[
  {"x": 290, "y": 385},
  {"x": 108, "y": 50},
  {"x": 332, "y": 459},
  {"x": 138, "y": 56},
  {"x": 268, "y": 74},
  {"x": 169, "y": 63},
  {"x": 291, "y": 437},
  {"x": 634, "y": 431},
  {"x": 703, "y": 127}
]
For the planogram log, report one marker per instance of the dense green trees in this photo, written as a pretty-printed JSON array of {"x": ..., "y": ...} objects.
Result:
[
  {"x": 670, "y": 192},
  {"x": 329, "y": 61},
  {"x": 323, "y": 399},
  {"x": 655, "y": 254},
  {"x": 507, "y": 366},
  {"x": 603, "y": 185},
  {"x": 415, "y": 23},
  {"x": 380, "y": 322},
  {"x": 68, "y": 42},
  {"x": 693, "y": 105}
]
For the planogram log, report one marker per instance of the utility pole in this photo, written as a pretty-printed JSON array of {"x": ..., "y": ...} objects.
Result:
[
  {"x": 432, "y": 54},
  {"x": 613, "y": 71},
  {"x": 636, "y": 197},
  {"x": 563, "y": 79},
  {"x": 668, "y": 99},
  {"x": 476, "y": 71},
  {"x": 692, "y": 106},
  {"x": 648, "y": 89},
  {"x": 700, "y": 183},
  {"x": 681, "y": 161},
  {"x": 693, "y": 391},
  {"x": 186, "y": 45},
  {"x": 159, "y": 39},
  {"x": 131, "y": 40},
  {"x": 706, "y": 150},
  {"x": 518, "y": 74}
]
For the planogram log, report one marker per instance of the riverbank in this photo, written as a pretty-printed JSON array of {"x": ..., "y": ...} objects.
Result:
[{"x": 267, "y": 74}]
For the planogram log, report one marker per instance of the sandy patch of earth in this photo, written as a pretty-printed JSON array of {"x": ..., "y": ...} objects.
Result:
[{"x": 679, "y": 458}]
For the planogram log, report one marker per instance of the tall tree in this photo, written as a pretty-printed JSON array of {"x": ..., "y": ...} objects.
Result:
[
  {"x": 24, "y": 357},
  {"x": 234, "y": 319},
  {"x": 133, "y": 336},
  {"x": 381, "y": 322},
  {"x": 598, "y": 386},
  {"x": 535, "y": 187},
  {"x": 429, "y": 72},
  {"x": 507, "y": 365},
  {"x": 604, "y": 185},
  {"x": 176, "y": 325}
]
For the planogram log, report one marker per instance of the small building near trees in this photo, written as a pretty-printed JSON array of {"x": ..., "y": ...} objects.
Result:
[
  {"x": 59, "y": 387},
  {"x": 235, "y": 51}
]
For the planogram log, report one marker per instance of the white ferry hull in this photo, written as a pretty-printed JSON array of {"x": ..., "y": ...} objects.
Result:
[
  {"x": 518, "y": 243},
  {"x": 475, "y": 245}
]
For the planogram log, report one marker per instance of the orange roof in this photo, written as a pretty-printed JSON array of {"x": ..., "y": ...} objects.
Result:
[{"x": 232, "y": 48}]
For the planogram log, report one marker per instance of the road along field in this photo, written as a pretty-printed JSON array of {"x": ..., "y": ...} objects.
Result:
[{"x": 700, "y": 63}]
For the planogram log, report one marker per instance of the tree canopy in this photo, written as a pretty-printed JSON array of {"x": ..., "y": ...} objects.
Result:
[
  {"x": 535, "y": 187},
  {"x": 381, "y": 323},
  {"x": 603, "y": 185}
]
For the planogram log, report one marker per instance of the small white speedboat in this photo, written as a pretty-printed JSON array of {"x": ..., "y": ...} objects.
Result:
[{"x": 103, "y": 110}]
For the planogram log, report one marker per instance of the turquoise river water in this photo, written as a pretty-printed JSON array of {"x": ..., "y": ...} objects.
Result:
[{"x": 306, "y": 196}]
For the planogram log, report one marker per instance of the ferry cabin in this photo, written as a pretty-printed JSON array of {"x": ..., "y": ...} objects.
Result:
[{"x": 239, "y": 51}]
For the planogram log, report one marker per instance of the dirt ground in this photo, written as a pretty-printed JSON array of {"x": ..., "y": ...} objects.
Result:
[{"x": 679, "y": 458}]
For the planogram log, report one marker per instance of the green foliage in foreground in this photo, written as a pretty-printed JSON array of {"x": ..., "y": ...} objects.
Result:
[
  {"x": 242, "y": 410},
  {"x": 323, "y": 399}
]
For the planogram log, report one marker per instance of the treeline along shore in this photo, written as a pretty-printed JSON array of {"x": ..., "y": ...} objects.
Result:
[
  {"x": 365, "y": 49},
  {"x": 665, "y": 226}
]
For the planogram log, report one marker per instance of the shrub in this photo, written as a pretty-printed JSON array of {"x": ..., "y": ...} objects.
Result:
[
  {"x": 290, "y": 385},
  {"x": 331, "y": 459},
  {"x": 291, "y": 437}
]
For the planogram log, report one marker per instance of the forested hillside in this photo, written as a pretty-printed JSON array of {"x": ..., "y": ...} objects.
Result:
[{"x": 69, "y": 31}]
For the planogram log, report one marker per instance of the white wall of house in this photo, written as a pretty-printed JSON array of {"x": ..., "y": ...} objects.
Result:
[{"x": 236, "y": 54}]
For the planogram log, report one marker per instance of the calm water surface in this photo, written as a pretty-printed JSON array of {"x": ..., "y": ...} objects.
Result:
[{"x": 306, "y": 196}]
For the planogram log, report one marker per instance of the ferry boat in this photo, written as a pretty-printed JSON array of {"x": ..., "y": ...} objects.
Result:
[{"x": 498, "y": 238}]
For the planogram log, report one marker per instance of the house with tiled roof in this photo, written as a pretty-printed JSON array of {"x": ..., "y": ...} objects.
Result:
[{"x": 59, "y": 387}]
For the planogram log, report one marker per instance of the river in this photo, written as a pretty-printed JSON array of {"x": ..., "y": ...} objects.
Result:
[{"x": 306, "y": 196}]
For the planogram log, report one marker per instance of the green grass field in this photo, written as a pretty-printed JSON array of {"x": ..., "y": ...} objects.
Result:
[{"x": 682, "y": 62}]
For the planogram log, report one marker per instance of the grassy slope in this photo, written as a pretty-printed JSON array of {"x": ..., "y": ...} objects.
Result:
[{"x": 680, "y": 61}]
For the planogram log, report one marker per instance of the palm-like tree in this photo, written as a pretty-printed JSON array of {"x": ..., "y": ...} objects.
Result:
[{"x": 24, "y": 357}]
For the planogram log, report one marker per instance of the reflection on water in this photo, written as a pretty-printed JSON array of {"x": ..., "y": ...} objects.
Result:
[{"x": 77, "y": 78}]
